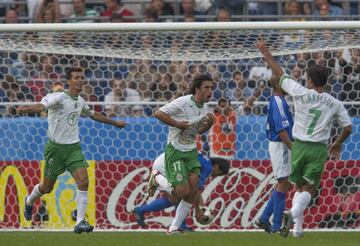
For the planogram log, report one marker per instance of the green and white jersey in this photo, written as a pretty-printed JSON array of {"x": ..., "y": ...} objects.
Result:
[
  {"x": 184, "y": 109},
  {"x": 63, "y": 116},
  {"x": 314, "y": 112}
]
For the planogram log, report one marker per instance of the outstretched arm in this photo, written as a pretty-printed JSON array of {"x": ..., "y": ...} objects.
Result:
[
  {"x": 101, "y": 118},
  {"x": 30, "y": 109},
  {"x": 275, "y": 67}
]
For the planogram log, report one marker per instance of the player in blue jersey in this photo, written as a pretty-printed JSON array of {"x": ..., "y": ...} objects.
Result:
[
  {"x": 213, "y": 167},
  {"x": 278, "y": 132}
]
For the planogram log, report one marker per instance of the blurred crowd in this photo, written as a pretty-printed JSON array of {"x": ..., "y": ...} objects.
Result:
[
  {"x": 27, "y": 77},
  {"x": 70, "y": 11}
]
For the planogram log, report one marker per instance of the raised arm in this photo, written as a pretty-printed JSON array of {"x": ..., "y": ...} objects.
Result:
[
  {"x": 275, "y": 67},
  {"x": 31, "y": 109},
  {"x": 163, "y": 117},
  {"x": 103, "y": 119}
]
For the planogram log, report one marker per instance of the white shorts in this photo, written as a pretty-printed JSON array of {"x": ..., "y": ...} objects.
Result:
[
  {"x": 280, "y": 157},
  {"x": 159, "y": 164}
]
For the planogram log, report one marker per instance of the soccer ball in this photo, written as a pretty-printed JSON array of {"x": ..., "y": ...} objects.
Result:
[{"x": 208, "y": 216}]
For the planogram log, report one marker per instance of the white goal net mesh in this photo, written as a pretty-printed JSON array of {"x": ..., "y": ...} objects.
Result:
[{"x": 145, "y": 69}]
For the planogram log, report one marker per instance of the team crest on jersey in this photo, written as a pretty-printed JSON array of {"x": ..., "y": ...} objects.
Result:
[
  {"x": 73, "y": 118},
  {"x": 179, "y": 177}
]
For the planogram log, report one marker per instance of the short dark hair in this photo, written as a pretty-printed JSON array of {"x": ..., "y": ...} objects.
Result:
[
  {"x": 223, "y": 164},
  {"x": 197, "y": 82},
  {"x": 318, "y": 74},
  {"x": 71, "y": 70}
]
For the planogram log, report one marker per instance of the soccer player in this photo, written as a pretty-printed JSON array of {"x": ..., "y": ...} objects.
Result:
[
  {"x": 214, "y": 167},
  {"x": 278, "y": 131},
  {"x": 62, "y": 151},
  {"x": 187, "y": 116},
  {"x": 315, "y": 111}
]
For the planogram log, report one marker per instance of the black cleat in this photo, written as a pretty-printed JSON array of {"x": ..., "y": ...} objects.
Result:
[
  {"x": 263, "y": 225},
  {"x": 28, "y": 211},
  {"x": 83, "y": 226},
  {"x": 287, "y": 224},
  {"x": 139, "y": 217}
]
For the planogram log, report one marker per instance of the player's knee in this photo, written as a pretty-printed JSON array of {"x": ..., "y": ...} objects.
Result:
[
  {"x": 283, "y": 185},
  {"x": 182, "y": 191},
  {"x": 82, "y": 183},
  {"x": 309, "y": 188}
]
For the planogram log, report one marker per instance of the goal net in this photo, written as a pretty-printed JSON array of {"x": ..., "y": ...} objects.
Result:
[{"x": 143, "y": 66}]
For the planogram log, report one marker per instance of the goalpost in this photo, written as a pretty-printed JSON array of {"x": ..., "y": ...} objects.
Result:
[{"x": 157, "y": 61}]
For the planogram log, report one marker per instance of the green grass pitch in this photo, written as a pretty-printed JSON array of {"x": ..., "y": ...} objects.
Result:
[{"x": 189, "y": 239}]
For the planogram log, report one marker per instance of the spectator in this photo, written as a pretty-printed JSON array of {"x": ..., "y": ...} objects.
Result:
[
  {"x": 116, "y": 6},
  {"x": 187, "y": 8},
  {"x": 44, "y": 78},
  {"x": 237, "y": 83},
  {"x": 14, "y": 93},
  {"x": 120, "y": 93},
  {"x": 234, "y": 7},
  {"x": 297, "y": 75},
  {"x": 11, "y": 16},
  {"x": 223, "y": 15},
  {"x": 161, "y": 7},
  {"x": 150, "y": 15},
  {"x": 292, "y": 8},
  {"x": 48, "y": 12},
  {"x": 81, "y": 13},
  {"x": 163, "y": 88},
  {"x": 324, "y": 8}
]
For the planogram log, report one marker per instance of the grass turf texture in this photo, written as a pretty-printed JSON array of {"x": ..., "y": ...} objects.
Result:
[{"x": 189, "y": 239}]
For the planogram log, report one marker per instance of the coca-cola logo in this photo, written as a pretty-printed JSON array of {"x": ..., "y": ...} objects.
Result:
[{"x": 231, "y": 207}]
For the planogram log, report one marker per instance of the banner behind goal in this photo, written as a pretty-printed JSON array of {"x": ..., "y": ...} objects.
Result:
[{"x": 146, "y": 65}]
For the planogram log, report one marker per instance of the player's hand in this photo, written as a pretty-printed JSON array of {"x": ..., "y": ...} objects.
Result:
[
  {"x": 210, "y": 118},
  {"x": 334, "y": 152},
  {"x": 261, "y": 45},
  {"x": 120, "y": 124},
  {"x": 182, "y": 124},
  {"x": 21, "y": 110}
]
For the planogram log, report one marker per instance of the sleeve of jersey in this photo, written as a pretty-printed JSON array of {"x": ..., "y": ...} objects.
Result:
[
  {"x": 171, "y": 108},
  {"x": 292, "y": 87},
  {"x": 51, "y": 100},
  {"x": 280, "y": 119},
  {"x": 343, "y": 117}
]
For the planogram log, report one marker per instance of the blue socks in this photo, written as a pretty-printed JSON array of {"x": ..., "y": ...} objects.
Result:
[
  {"x": 275, "y": 206},
  {"x": 279, "y": 207},
  {"x": 156, "y": 205},
  {"x": 265, "y": 216}
]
